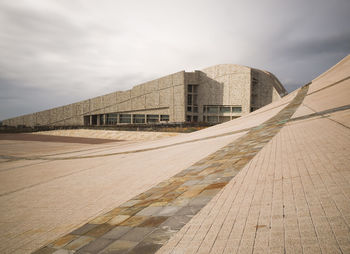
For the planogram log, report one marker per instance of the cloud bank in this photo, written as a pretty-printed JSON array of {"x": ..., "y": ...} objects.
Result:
[{"x": 58, "y": 52}]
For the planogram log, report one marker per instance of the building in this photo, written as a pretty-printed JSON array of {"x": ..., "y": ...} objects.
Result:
[{"x": 215, "y": 94}]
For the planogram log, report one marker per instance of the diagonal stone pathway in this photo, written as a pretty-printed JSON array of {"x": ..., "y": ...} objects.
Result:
[{"x": 147, "y": 221}]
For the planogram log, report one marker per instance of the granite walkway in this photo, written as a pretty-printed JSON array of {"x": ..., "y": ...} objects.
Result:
[
  {"x": 294, "y": 195},
  {"x": 147, "y": 221},
  {"x": 245, "y": 186}
]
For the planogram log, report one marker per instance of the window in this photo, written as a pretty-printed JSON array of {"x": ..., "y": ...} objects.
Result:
[
  {"x": 152, "y": 118},
  {"x": 102, "y": 120},
  {"x": 237, "y": 109},
  {"x": 86, "y": 120},
  {"x": 164, "y": 118},
  {"x": 194, "y": 99},
  {"x": 189, "y": 88},
  {"x": 139, "y": 118},
  {"x": 189, "y": 99},
  {"x": 212, "y": 119},
  {"x": 220, "y": 113},
  {"x": 195, "y": 119},
  {"x": 225, "y": 109},
  {"x": 111, "y": 119},
  {"x": 192, "y": 88},
  {"x": 94, "y": 120},
  {"x": 125, "y": 118},
  {"x": 212, "y": 109}
]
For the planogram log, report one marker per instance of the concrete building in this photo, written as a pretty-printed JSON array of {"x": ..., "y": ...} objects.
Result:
[{"x": 215, "y": 94}]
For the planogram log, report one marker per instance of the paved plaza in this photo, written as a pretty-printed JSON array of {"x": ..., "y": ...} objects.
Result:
[{"x": 274, "y": 181}]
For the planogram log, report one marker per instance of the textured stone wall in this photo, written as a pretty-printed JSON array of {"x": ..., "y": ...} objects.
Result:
[
  {"x": 161, "y": 96},
  {"x": 224, "y": 84}
]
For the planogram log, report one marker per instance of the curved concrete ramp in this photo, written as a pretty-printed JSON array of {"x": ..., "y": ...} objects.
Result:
[{"x": 276, "y": 180}]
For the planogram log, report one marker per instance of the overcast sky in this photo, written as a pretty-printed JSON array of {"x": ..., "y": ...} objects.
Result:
[{"x": 54, "y": 53}]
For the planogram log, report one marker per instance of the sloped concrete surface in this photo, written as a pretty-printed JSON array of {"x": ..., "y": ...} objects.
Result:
[
  {"x": 276, "y": 181},
  {"x": 157, "y": 214},
  {"x": 49, "y": 189},
  {"x": 293, "y": 196}
]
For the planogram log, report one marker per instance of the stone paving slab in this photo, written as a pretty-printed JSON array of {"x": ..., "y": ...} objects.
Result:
[
  {"x": 197, "y": 184},
  {"x": 293, "y": 196},
  {"x": 50, "y": 199},
  {"x": 216, "y": 243}
]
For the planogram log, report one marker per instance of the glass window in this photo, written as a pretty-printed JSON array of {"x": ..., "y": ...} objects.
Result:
[
  {"x": 101, "y": 119},
  {"x": 195, "y": 119},
  {"x": 212, "y": 119},
  {"x": 125, "y": 118},
  {"x": 189, "y": 108},
  {"x": 194, "y": 99},
  {"x": 111, "y": 119},
  {"x": 139, "y": 118},
  {"x": 213, "y": 109},
  {"x": 225, "y": 109},
  {"x": 152, "y": 118},
  {"x": 189, "y": 88},
  {"x": 237, "y": 109},
  {"x": 86, "y": 120},
  {"x": 195, "y": 88},
  {"x": 94, "y": 120},
  {"x": 189, "y": 99},
  {"x": 195, "y": 109},
  {"x": 164, "y": 118},
  {"x": 188, "y": 118}
]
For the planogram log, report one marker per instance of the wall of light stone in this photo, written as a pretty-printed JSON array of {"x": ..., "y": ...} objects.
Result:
[
  {"x": 224, "y": 84},
  {"x": 160, "y": 96}
]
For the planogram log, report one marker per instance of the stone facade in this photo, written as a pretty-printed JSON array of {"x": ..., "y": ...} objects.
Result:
[{"x": 215, "y": 94}]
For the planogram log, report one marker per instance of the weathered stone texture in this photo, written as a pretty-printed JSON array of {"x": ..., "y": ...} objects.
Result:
[
  {"x": 152, "y": 100},
  {"x": 123, "y": 96},
  {"x": 138, "y": 102},
  {"x": 224, "y": 84},
  {"x": 228, "y": 85},
  {"x": 43, "y": 117},
  {"x": 166, "y": 97}
]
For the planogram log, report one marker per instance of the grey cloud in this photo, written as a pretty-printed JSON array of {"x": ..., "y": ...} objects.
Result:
[
  {"x": 32, "y": 31},
  {"x": 58, "y": 52},
  {"x": 316, "y": 46},
  {"x": 33, "y": 21}
]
